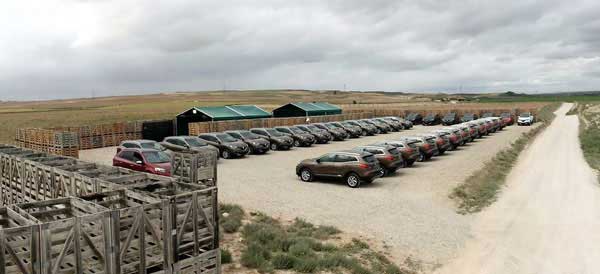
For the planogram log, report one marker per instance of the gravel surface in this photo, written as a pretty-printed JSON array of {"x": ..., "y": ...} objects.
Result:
[
  {"x": 547, "y": 218},
  {"x": 410, "y": 211}
]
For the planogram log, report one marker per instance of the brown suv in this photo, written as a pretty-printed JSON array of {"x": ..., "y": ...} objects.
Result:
[
  {"x": 389, "y": 157},
  {"x": 408, "y": 150},
  {"x": 355, "y": 167},
  {"x": 427, "y": 146}
]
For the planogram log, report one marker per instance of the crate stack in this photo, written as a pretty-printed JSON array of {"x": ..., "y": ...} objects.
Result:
[
  {"x": 106, "y": 135},
  {"x": 79, "y": 217},
  {"x": 56, "y": 142}
]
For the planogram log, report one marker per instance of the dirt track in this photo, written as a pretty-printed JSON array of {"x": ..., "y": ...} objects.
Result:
[
  {"x": 547, "y": 220},
  {"x": 410, "y": 211}
]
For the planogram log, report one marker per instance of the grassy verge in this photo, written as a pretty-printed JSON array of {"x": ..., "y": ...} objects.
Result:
[
  {"x": 589, "y": 132},
  {"x": 482, "y": 187},
  {"x": 259, "y": 242}
]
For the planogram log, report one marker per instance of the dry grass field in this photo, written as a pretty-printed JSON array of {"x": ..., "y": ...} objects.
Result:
[{"x": 166, "y": 105}]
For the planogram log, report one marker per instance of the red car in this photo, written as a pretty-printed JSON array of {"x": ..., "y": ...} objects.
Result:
[{"x": 144, "y": 160}]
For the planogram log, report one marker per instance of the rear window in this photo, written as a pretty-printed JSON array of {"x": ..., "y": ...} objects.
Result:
[
  {"x": 370, "y": 159},
  {"x": 393, "y": 151}
]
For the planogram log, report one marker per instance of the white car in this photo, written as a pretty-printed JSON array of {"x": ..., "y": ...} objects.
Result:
[{"x": 525, "y": 119}]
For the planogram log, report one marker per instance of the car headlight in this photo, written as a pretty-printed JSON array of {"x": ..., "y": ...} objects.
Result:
[{"x": 160, "y": 169}]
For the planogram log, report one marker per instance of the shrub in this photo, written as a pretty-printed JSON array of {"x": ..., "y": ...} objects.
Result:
[
  {"x": 225, "y": 256},
  {"x": 283, "y": 261},
  {"x": 255, "y": 256},
  {"x": 233, "y": 221}
]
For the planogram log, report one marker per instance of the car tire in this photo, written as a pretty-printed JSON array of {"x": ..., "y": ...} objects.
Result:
[
  {"x": 421, "y": 157},
  {"x": 296, "y": 143},
  {"x": 274, "y": 146},
  {"x": 353, "y": 180},
  {"x": 410, "y": 163},
  {"x": 225, "y": 154},
  {"x": 404, "y": 164},
  {"x": 364, "y": 133},
  {"x": 306, "y": 175}
]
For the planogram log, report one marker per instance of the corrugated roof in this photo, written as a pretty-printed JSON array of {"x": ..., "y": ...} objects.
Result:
[
  {"x": 317, "y": 106},
  {"x": 233, "y": 112}
]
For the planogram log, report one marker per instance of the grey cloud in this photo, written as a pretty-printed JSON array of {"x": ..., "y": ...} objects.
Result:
[{"x": 123, "y": 46}]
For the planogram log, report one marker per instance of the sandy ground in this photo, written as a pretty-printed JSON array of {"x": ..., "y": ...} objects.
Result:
[
  {"x": 410, "y": 211},
  {"x": 548, "y": 218}
]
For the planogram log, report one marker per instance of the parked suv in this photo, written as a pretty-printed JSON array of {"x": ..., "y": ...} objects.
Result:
[
  {"x": 321, "y": 135},
  {"x": 405, "y": 123},
  {"x": 395, "y": 125},
  {"x": 389, "y": 157},
  {"x": 367, "y": 129},
  {"x": 354, "y": 167},
  {"x": 450, "y": 118},
  {"x": 352, "y": 131},
  {"x": 415, "y": 118},
  {"x": 144, "y": 160},
  {"x": 408, "y": 150},
  {"x": 467, "y": 117},
  {"x": 301, "y": 138},
  {"x": 442, "y": 140},
  {"x": 229, "y": 147},
  {"x": 427, "y": 146},
  {"x": 277, "y": 140},
  {"x": 508, "y": 118},
  {"x": 453, "y": 134},
  {"x": 187, "y": 143},
  {"x": 256, "y": 144},
  {"x": 383, "y": 128},
  {"x": 149, "y": 144},
  {"x": 337, "y": 133},
  {"x": 431, "y": 119},
  {"x": 525, "y": 118}
]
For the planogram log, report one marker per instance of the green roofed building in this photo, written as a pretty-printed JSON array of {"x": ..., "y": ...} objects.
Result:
[
  {"x": 306, "y": 109},
  {"x": 220, "y": 113}
]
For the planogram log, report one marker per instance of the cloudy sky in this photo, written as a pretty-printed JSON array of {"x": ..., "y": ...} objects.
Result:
[{"x": 80, "y": 48}]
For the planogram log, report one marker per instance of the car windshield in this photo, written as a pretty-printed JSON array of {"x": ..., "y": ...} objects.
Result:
[
  {"x": 504, "y": 115},
  {"x": 525, "y": 114},
  {"x": 330, "y": 126},
  {"x": 430, "y": 117},
  {"x": 313, "y": 128},
  {"x": 249, "y": 135},
  {"x": 449, "y": 116},
  {"x": 226, "y": 138},
  {"x": 346, "y": 124},
  {"x": 156, "y": 157},
  {"x": 195, "y": 142},
  {"x": 274, "y": 133},
  {"x": 297, "y": 130},
  {"x": 337, "y": 124},
  {"x": 468, "y": 116},
  {"x": 411, "y": 116},
  {"x": 152, "y": 145}
]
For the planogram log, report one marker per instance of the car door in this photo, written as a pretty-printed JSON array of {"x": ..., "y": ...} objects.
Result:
[
  {"x": 137, "y": 162},
  {"x": 325, "y": 165},
  {"x": 124, "y": 159},
  {"x": 343, "y": 164}
]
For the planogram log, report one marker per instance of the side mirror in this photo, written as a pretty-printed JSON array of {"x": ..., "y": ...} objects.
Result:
[
  {"x": 139, "y": 162},
  {"x": 318, "y": 161}
]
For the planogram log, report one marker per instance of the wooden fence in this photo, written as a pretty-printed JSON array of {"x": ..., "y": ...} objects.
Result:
[
  {"x": 62, "y": 215},
  {"x": 217, "y": 126}
]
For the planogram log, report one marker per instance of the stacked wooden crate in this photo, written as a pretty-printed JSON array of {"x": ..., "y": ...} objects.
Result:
[
  {"x": 105, "y": 135},
  {"x": 48, "y": 140},
  {"x": 63, "y": 215}
]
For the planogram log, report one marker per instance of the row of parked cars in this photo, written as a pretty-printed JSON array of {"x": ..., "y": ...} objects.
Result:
[
  {"x": 154, "y": 157},
  {"x": 363, "y": 164},
  {"x": 453, "y": 118}
]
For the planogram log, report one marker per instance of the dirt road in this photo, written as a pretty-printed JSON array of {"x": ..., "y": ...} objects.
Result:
[{"x": 547, "y": 220}]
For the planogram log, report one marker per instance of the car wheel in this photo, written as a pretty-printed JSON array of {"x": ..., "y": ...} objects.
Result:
[
  {"x": 421, "y": 157},
  {"x": 306, "y": 175},
  {"x": 364, "y": 133},
  {"x": 352, "y": 180},
  {"x": 296, "y": 143},
  {"x": 274, "y": 146},
  {"x": 225, "y": 154},
  {"x": 410, "y": 163},
  {"x": 404, "y": 164}
]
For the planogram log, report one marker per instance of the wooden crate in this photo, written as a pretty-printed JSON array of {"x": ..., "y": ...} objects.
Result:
[
  {"x": 195, "y": 168},
  {"x": 19, "y": 243},
  {"x": 73, "y": 236}
]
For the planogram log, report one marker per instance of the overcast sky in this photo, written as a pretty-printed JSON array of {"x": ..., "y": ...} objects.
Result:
[{"x": 80, "y": 48}]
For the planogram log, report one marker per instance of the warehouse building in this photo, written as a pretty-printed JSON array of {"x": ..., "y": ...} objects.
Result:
[
  {"x": 218, "y": 113},
  {"x": 306, "y": 109}
]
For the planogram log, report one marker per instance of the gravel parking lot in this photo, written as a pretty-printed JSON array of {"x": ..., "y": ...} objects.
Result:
[{"x": 409, "y": 211}]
